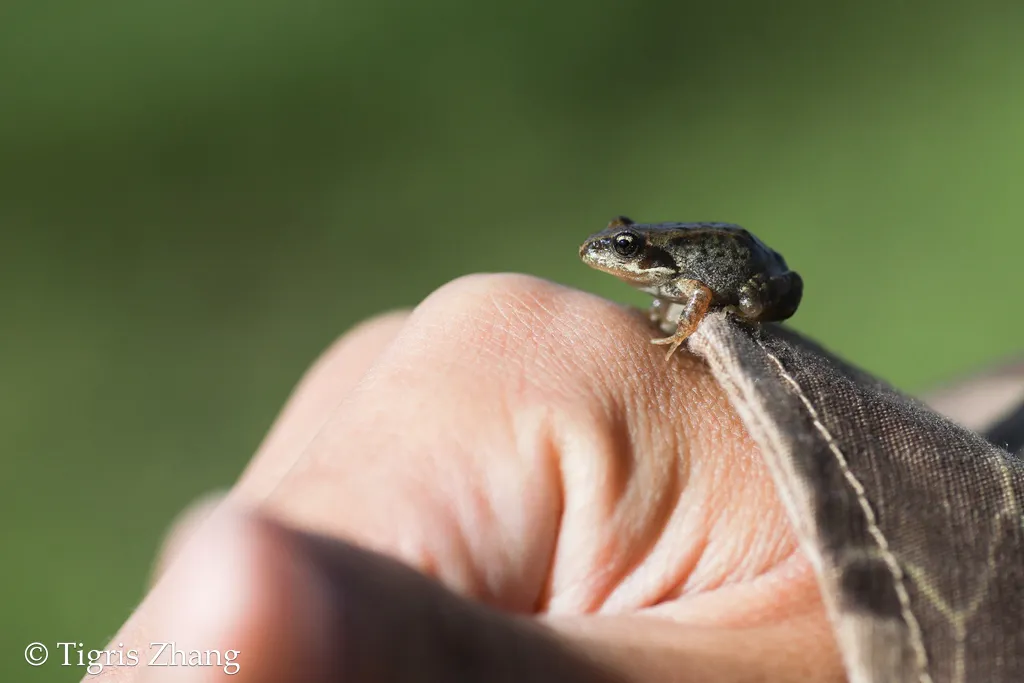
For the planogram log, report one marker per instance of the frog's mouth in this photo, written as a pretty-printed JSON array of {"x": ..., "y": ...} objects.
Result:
[
  {"x": 627, "y": 272},
  {"x": 634, "y": 279},
  {"x": 599, "y": 259}
]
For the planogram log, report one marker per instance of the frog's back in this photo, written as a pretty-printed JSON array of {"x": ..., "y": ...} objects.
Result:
[
  {"x": 723, "y": 255},
  {"x": 736, "y": 265}
]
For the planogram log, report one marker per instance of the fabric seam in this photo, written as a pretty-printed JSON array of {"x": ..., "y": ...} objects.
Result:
[{"x": 913, "y": 626}]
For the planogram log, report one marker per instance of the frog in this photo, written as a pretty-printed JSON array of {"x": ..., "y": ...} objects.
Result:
[{"x": 701, "y": 267}]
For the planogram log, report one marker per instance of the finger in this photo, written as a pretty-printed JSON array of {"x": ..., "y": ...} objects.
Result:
[
  {"x": 325, "y": 385},
  {"x": 182, "y": 529},
  {"x": 317, "y": 395},
  {"x": 231, "y": 581},
  {"x": 524, "y": 443},
  {"x": 265, "y": 603}
]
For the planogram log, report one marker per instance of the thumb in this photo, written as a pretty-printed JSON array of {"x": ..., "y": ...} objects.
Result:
[
  {"x": 258, "y": 601},
  {"x": 299, "y": 607}
]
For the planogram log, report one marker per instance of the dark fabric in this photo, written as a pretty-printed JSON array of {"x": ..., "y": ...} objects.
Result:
[{"x": 913, "y": 523}]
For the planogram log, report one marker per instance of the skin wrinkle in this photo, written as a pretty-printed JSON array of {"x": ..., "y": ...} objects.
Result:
[
  {"x": 407, "y": 544},
  {"x": 614, "y": 496},
  {"x": 648, "y": 395},
  {"x": 404, "y": 545},
  {"x": 665, "y": 510},
  {"x": 658, "y": 583},
  {"x": 548, "y": 440},
  {"x": 645, "y": 405},
  {"x": 451, "y": 506},
  {"x": 499, "y": 580},
  {"x": 792, "y": 576},
  {"x": 584, "y": 501},
  {"x": 748, "y": 559},
  {"x": 522, "y": 315},
  {"x": 570, "y": 325},
  {"x": 522, "y": 391},
  {"x": 523, "y": 387},
  {"x": 751, "y": 553},
  {"x": 737, "y": 558},
  {"x": 497, "y": 489},
  {"x": 670, "y": 515},
  {"x": 616, "y": 502},
  {"x": 533, "y": 521},
  {"x": 661, "y": 516},
  {"x": 741, "y": 563},
  {"x": 591, "y": 366},
  {"x": 472, "y": 511}
]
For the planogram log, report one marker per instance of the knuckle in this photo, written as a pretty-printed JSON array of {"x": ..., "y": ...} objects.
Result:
[{"x": 503, "y": 308}]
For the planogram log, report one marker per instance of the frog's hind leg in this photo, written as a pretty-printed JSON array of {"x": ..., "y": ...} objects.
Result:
[
  {"x": 697, "y": 297},
  {"x": 770, "y": 299},
  {"x": 787, "y": 290},
  {"x": 751, "y": 296}
]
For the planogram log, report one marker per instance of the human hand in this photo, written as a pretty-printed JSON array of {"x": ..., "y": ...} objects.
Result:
[{"x": 575, "y": 508}]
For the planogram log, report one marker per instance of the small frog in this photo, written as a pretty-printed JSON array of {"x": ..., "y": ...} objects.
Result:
[{"x": 702, "y": 266}]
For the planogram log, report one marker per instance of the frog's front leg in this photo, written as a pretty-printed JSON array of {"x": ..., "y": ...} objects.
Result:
[{"x": 696, "y": 297}]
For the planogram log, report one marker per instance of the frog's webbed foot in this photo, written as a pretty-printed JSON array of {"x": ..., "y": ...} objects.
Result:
[{"x": 698, "y": 298}]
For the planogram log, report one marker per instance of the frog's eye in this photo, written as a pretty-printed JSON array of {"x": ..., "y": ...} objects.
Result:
[{"x": 627, "y": 244}]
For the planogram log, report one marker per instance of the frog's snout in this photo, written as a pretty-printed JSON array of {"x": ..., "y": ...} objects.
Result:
[
  {"x": 588, "y": 253},
  {"x": 590, "y": 250}
]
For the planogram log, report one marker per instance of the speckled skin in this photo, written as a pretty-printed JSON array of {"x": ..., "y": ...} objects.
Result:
[{"x": 700, "y": 265}]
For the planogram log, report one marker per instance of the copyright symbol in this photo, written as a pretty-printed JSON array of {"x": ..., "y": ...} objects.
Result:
[{"x": 36, "y": 654}]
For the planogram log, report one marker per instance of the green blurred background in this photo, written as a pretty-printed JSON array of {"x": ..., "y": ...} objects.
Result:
[{"x": 196, "y": 197}]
